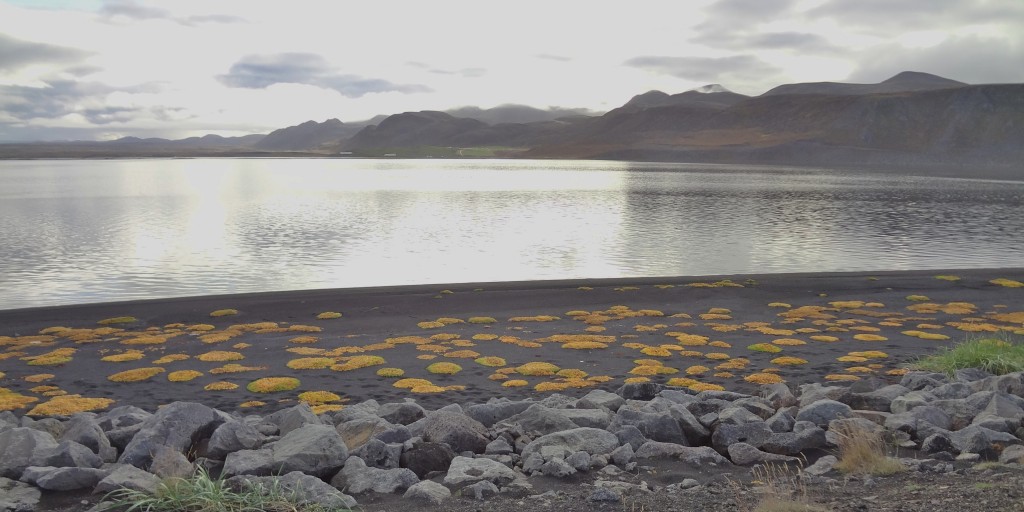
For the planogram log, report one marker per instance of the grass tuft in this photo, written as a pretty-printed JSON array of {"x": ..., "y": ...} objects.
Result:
[
  {"x": 862, "y": 452},
  {"x": 997, "y": 356}
]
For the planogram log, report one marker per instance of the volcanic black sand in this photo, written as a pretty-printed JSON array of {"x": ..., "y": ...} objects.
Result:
[{"x": 699, "y": 329}]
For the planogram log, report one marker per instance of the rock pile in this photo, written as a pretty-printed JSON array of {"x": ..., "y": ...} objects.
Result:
[{"x": 483, "y": 449}]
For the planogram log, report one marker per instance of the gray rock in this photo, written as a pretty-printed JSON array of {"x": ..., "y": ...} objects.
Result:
[
  {"x": 1013, "y": 454},
  {"x": 604, "y": 494},
  {"x": 655, "y": 426},
  {"x": 378, "y": 454},
  {"x": 953, "y": 391},
  {"x": 357, "y": 431},
  {"x": 707, "y": 406},
  {"x": 316, "y": 450},
  {"x": 51, "y": 426},
  {"x": 490, "y": 413},
  {"x": 557, "y": 468},
  {"x": 540, "y": 419},
  {"x": 694, "y": 431},
  {"x": 17, "y": 448},
  {"x": 557, "y": 401},
  {"x": 394, "y": 434},
  {"x": 917, "y": 381},
  {"x": 822, "y": 466},
  {"x": 918, "y": 420},
  {"x": 431, "y": 493},
  {"x": 759, "y": 406},
  {"x": 823, "y": 411},
  {"x": 579, "y": 460},
  {"x": 779, "y": 395},
  {"x": 120, "y": 437},
  {"x": 465, "y": 470},
  {"x": 356, "y": 477},
  {"x": 877, "y": 400},
  {"x": 367, "y": 409},
  {"x": 970, "y": 374},
  {"x": 689, "y": 455},
  {"x": 734, "y": 415},
  {"x": 63, "y": 479},
  {"x": 178, "y": 425},
  {"x": 122, "y": 416},
  {"x": 781, "y": 421},
  {"x": 743, "y": 454},
  {"x": 910, "y": 400},
  {"x": 306, "y": 490},
  {"x": 170, "y": 463},
  {"x": 975, "y": 439},
  {"x": 460, "y": 432},
  {"x": 678, "y": 396},
  {"x": 814, "y": 392},
  {"x": 126, "y": 476},
  {"x": 639, "y": 390},
  {"x": 631, "y": 435},
  {"x": 793, "y": 443},
  {"x": 401, "y": 413},
  {"x": 533, "y": 463},
  {"x": 293, "y": 418},
  {"x": 938, "y": 442},
  {"x": 498, "y": 447},
  {"x": 594, "y": 418},
  {"x": 754, "y": 434},
  {"x": 425, "y": 458},
  {"x": 84, "y": 429},
  {"x": 232, "y": 437},
  {"x": 18, "y": 497},
  {"x": 610, "y": 401},
  {"x": 623, "y": 455},
  {"x": 591, "y": 440},
  {"x": 67, "y": 454},
  {"x": 728, "y": 396},
  {"x": 481, "y": 490}
]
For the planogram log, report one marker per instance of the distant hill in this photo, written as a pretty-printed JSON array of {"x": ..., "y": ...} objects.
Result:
[
  {"x": 425, "y": 128},
  {"x": 519, "y": 114},
  {"x": 906, "y": 81},
  {"x": 307, "y": 136},
  {"x": 712, "y": 95}
]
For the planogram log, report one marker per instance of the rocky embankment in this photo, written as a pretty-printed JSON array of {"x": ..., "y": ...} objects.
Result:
[{"x": 477, "y": 451}]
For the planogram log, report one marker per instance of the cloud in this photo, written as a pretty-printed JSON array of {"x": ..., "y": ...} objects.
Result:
[
  {"x": 118, "y": 10},
  {"x": 968, "y": 59},
  {"x": 262, "y": 71},
  {"x": 16, "y": 53},
  {"x": 548, "y": 56},
  {"x": 705, "y": 69},
  {"x": 908, "y": 15},
  {"x": 59, "y": 98}
]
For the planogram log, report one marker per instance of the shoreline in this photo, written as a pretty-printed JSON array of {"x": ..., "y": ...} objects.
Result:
[{"x": 702, "y": 326}]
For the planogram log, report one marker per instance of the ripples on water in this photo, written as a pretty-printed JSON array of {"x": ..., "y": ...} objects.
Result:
[{"x": 100, "y": 230}]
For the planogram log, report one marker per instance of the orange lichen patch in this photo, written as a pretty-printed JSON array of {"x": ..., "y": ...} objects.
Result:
[
  {"x": 874, "y": 305},
  {"x": 53, "y": 358},
  {"x": 870, "y": 354},
  {"x": 434, "y": 389},
  {"x": 681, "y": 382},
  {"x": 648, "y": 328},
  {"x": 718, "y": 356},
  {"x": 664, "y": 286},
  {"x": 444, "y": 368},
  {"x": 220, "y": 385},
  {"x": 514, "y": 383},
  {"x": 847, "y": 304},
  {"x": 55, "y": 330},
  {"x": 714, "y": 316},
  {"x": 1008, "y": 283},
  {"x": 538, "y": 318},
  {"x": 763, "y": 378},
  {"x": 859, "y": 369},
  {"x": 304, "y": 339},
  {"x": 764, "y": 347},
  {"x": 697, "y": 370},
  {"x": 329, "y": 315},
  {"x": 825, "y": 339},
  {"x": 594, "y": 319},
  {"x": 656, "y": 351},
  {"x": 537, "y": 369},
  {"x": 876, "y": 366},
  {"x": 648, "y": 362},
  {"x": 68, "y": 405},
  {"x": 219, "y": 356},
  {"x": 690, "y": 340},
  {"x": 788, "y": 361},
  {"x": 805, "y": 312},
  {"x": 836, "y": 329},
  {"x": 462, "y": 354},
  {"x": 634, "y": 345},
  {"x": 251, "y": 404},
  {"x": 841, "y": 377},
  {"x": 869, "y": 337},
  {"x": 118, "y": 320},
  {"x": 183, "y": 375},
  {"x": 788, "y": 342},
  {"x": 39, "y": 377},
  {"x": 356, "y": 362},
  {"x": 273, "y": 384},
  {"x": 850, "y": 321},
  {"x": 851, "y": 359},
  {"x": 653, "y": 370},
  {"x": 129, "y": 355},
  {"x": 136, "y": 375},
  {"x": 627, "y": 288},
  {"x": 898, "y": 372},
  {"x": 318, "y": 397},
  {"x": 236, "y": 368},
  {"x": 223, "y": 312},
  {"x": 577, "y": 312},
  {"x": 310, "y": 363},
  {"x": 650, "y": 312}
]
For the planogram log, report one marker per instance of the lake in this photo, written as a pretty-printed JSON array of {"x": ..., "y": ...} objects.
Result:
[{"x": 76, "y": 231}]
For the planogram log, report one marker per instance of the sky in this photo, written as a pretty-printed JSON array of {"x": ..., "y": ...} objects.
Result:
[{"x": 104, "y": 69}]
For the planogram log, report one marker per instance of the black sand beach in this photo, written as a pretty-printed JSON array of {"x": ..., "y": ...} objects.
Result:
[{"x": 886, "y": 319}]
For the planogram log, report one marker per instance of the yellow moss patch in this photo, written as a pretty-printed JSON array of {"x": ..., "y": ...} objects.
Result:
[
  {"x": 788, "y": 361},
  {"x": 240, "y": 346},
  {"x": 697, "y": 370},
  {"x": 898, "y": 372},
  {"x": 39, "y": 377},
  {"x": 718, "y": 356},
  {"x": 304, "y": 339},
  {"x": 329, "y": 315},
  {"x": 410, "y": 383},
  {"x": 681, "y": 382},
  {"x": 44, "y": 389},
  {"x": 462, "y": 354},
  {"x": 10, "y": 400},
  {"x": 764, "y": 347},
  {"x": 514, "y": 383},
  {"x": 655, "y": 351},
  {"x": 482, "y": 320},
  {"x": 223, "y": 312},
  {"x": 390, "y": 372},
  {"x": 918, "y": 298},
  {"x": 713, "y": 316},
  {"x": 426, "y": 357},
  {"x": 273, "y": 384},
  {"x": 841, "y": 377},
  {"x": 356, "y": 362},
  {"x": 869, "y": 337},
  {"x": 763, "y": 378},
  {"x": 538, "y": 318},
  {"x": 310, "y": 363},
  {"x": 485, "y": 337},
  {"x": 537, "y": 369},
  {"x": 859, "y": 369},
  {"x": 53, "y": 358},
  {"x": 789, "y": 342},
  {"x": 220, "y": 386},
  {"x": 236, "y": 368},
  {"x": 846, "y": 304},
  {"x": 306, "y": 351},
  {"x": 444, "y": 368},
  {"x": 637, "y": 380},
  {"x": 251, "y": 403},
  {"x": 183, "y": 375},
  {"x": 322, "y": 408},
  {"x": 851, "y": 359},
  {"x": 704, "y": 386},
  {"x": 870, "y": 354},
  {"x": 136, "y": 375},
  {"x": 429, "y": 325},
  {"x": 118, "y": 320},
  {"x": 825, "y": 339},
  {"x": 68, "y": 405},
  {"x": 219, "y": 356},
  {"x": 719, "y": 344},
  {"x": 948, "y": 278},
  {"x": 318, "y": 397},
  {"x": 725, "y": 283},
  {"x": 691, "y": 340},
  {"x": 653, "y": 370},
  {"x": 130, "y": 355},
  {"x": 492, "y": 361},
  {"x": 1008, "y": 283}
]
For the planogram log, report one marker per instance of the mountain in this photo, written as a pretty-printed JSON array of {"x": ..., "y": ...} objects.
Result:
[
  {"x": 519, "y": 114},
  {"x": 425, "y": 128},
  {"x": 712, "y": 95},
  {"x": 906, "y": 81},
  {"x": 307, "y": 136}
]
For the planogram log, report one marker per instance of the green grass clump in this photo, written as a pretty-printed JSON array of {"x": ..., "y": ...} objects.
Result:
[
  {"x": 202, "y": 493},
  {"x": 862, "y": 452},
  {"x": 994, "y": 355}
]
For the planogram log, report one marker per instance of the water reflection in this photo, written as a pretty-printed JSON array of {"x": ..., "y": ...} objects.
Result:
[{"x": 78, "y": 231}]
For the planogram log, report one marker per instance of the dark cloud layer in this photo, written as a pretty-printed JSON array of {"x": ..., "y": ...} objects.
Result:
[
  {"x": 16, "y": 53},
  {"x": 262, "y": 71},
  {"x": 705, "y": 69},
  {"x": 59, "y": 98}
]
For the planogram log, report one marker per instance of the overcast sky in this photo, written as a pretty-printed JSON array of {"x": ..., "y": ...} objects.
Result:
[{"x": 101, "y": 69}]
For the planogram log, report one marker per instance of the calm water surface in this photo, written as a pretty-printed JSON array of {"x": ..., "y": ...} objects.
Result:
[{"x": 100, "y": 230}]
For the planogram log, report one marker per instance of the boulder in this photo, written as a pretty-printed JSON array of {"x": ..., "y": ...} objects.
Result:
[
  {"x": 425, "y": 458},
  {"x": 378, "y": 454},
  {"x": 67, "y": 454},
  {"x": 1013, "y": 454},
  {"x": 781, "y": 421},
  {"x": 983, "y": 441},
  {"x": 480, "y": 490},
  {"x": 694, "y": 456},
  {"x": 917, "y": 381},
  {"x": 126, "y": 476},
  {"x": 779, "y": 395},
  {"x": 557, "y": 468},
  {"x": 401, "y": 413},
  {"x": 877, "y": 400},
  {"x": 591, "y": 440},
  {"x": 693, "y": 430},
  {"x": 608, "y": 400},
  {"x": 823, "y": 411},
  {"x": 579, "y": 461},
  {"x": 743, "y": 454},
  {"x": 735, "y": 415},
  {"x": 910, "y": 400},
  {"x": 292, "y": 418},
  {"x": 306, "y": 490},
  {"x": 492, "y": 412},
  {"x": 630, "y": 435},
  {"x": 431, "y": 493},
  {"x": 639, "y": 390},
  {"x": 359, "y": 430},
  {"x": 541, "y": 420},
  {"x": 595, "y": 418},
  {"x": 367, "y": 409},
  {"x": 178, "y": 425},
  {"x": 18, "y": 446},
  {"x": 623, "y": 455},
  {"x": 84, "y": 429},
  {"x": 316, "y": 450},
  {"x": 754, "y": 434},
  {"x": 17, "y": 496},
  {"x": 657, "y": 426},
  {"x": 499, "y": 447},
  {"x": 822, "y": 465},
  {"x": 465, "y": 470},
  {"x": 794, "y": 443},
  {"x": 462, "y": 433},
  {"x": 356, "y": 477},
  {"x": 63, "y": 479},
  {"x": 170, "y": 463},
  {"x": 232, "y": 437},
  {"x": 814, "y": 392}
]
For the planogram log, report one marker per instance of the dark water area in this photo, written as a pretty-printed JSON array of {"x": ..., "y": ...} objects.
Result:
[{"x": 75, "y": 231}]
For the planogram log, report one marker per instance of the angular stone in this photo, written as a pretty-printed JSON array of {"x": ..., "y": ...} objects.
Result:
[
  {"x": 232, "y": 437},
  {"x": 878, "y": 400},
  {"x": 557, "y": 468},
  {"x": 378, "y": 454},
  {"x": 401, "y": 413},
  {"x": 67, "y": 454},
  {"x": 754, "y": 434},
  {"x": 18, "y": 446},
  {"x": 693, "y": 456},
  {"x": 938, "y": 442},
  {"x": 917, "y": 381},
  {"x": 779, "y": 395},
  {"x": 465, "y": 470},
  {"x": 460, "y": 432},
  {"x": 1013, "y": 454},
  {"x": 630, "y": 435},
  {"x": 781, "y": 421},
  {"x": 623, "y": 455},
  {"x": 293, "y": 418},
  {"x": 579, "y": 460},
  {"x": 823, "y": 411},
  {"x": 608, "y": 400},
  {"x": 356, "y": 477},
  {"x": 480, "y": 490},
  {"x": 759, "y": 406},
  {"x": 492, "y": 412},
  {"x": 498, "y": 447},
  {"x": 533, "y": 463},
  {"x": 975, "y": 439},
  {"x": 734, "y": 415},
  {"x": 126, "y": 476},
  {"x": 655, "y": 426},
  {"x": 793, "y": 443},
  {"x": 367, "y": 409},
  {"x": 814, "y": 392},
  {"x": 306, "y": 490},
  {"x": 359, "y": 430},
  {"x": 16, "y": 496},
  {"x": 541, "y": 420},
  {"x": 910, "y": 400},
  {"x": 591, "y": 440},
  {"x": 84, "y": 429},
  {"x": 952, "y": 391},
  {"x": 694, "y": 431},
  {"x": 639, "y": 390},
  {"x": 63, "y": 479},
  {"x": 604, "y": 495},
  {"x": 170, "y": 463},
  {"x": 594, "y": 418},
  {"x": 178, "y": 425},
  {"x": 425, "y": 458},
  {"x": 822, "y": 465},
  {"x": 429, "y": 492},
  {"x": 743, "y": 454},
  {"x": 316, "y": 450}
]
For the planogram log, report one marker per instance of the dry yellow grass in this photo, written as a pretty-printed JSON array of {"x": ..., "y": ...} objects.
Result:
[
  {"x": 129, "y": 355},
  {"x": 220, "y": 386},
  {"x": 68, "y": 405},
  {"x": 537, "y": 369},
  {"x": 328, "y": 315},
  {"x": 763, "y": 378},
  {"x": 183, "y": 375},
  {"x": 223, "y": 312},
  {"x": 136, "y": 375},
  {"x": 219, "y": 356},
  {"x": 273, "y": 384},
  {"x": 444, "y": 368},
  {"x": 310, "y": 363}
]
